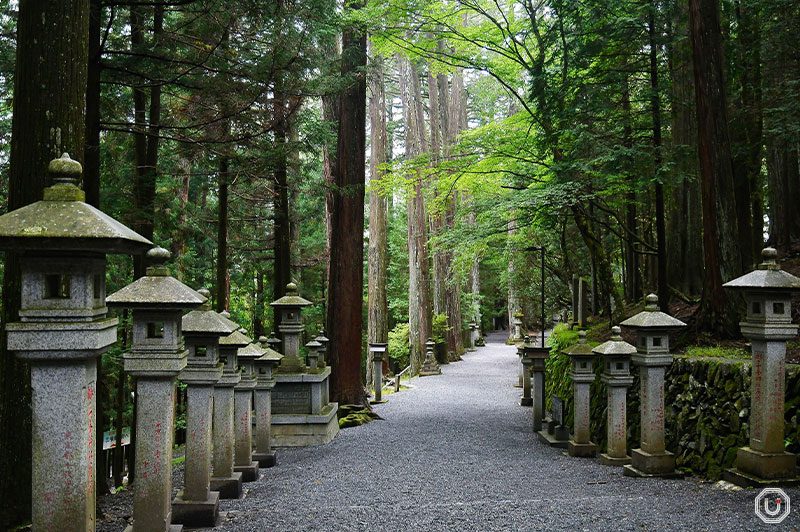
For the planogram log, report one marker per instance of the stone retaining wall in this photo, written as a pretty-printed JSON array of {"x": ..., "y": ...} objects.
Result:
[{"x": 707, "y": 407}]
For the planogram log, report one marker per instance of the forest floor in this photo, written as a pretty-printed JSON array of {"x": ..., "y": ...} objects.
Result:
[{"x": 456, "y": 452}]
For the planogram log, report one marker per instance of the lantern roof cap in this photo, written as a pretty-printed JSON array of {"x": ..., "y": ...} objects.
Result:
[
  {"x": 321, "y": 336},
  {"x": 581, "y": 348},
  {"x": 157, "y": 288},
  {"x": 268, "y": 355},
  {"x": 314, "y": 344},
  {"x": 651, "y": 317},
  {"x": 291, "y": 299},
  {"x": 63, "y": 221},
  {"x": 616, "y": 346},
  {"x": 767, "y": 276},
  {"x": 250, "y": 351},
  {"x": 235, "y": 339}
]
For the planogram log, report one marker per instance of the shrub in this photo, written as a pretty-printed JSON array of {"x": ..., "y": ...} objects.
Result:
[{"x": 399, "y": 347}]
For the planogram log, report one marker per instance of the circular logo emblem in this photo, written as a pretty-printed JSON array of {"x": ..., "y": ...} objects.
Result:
[{"x": 772, "y": 505}]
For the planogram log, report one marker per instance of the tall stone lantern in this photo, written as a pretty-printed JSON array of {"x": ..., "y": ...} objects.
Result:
[
  {"x": 62, "y": 328},
  {"x": 768, "y": 325},
  {"x": 224, "y": 479},
  {"x": 582, "y": 375},
  {"x": 527, "y": 362},
  {"x": 616, "y": 355},
  {"x": 156, "y": 357},
  {"x": 377, "y": 350},
  {"x": 323, "y": 340},
  {"x": 243, "y": 407},
  {"x": 538, "y": 356},
  {"x": 291, "y": 328},
  {"x": 653, "y": 358},
  {"x": 517, "y": 338},
  {"x": 196, "y": 504},
  {"x": 265, "y": 381}
]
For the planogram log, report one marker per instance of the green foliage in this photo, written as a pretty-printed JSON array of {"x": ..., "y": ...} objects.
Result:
[
  {"x": 439, "y": 328},
  {"x": 399, "y": 346},
  {"x": 718, "y": 352}
]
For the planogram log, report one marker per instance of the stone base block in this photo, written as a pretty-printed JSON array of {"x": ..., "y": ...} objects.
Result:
[
  {"x": 744, "y": 480},
  {"x": 766, "y": 466},
  {"x": 653, "y": 464},
  {"x": 525, "y": 401},
  {"x": 172, "y": 528},
  {"x": 300, "y": 430},
  {"x": 612, "y": 461},
  {"x": 582, "y": 450},
  {"x": 249, "y": 472},
  {"x": 228, "y": 487},
  {"x": 552, "y": 440},
  {"x": 264, "y": 459},
  {"x": 630, "y": 471},
  {"x": 373, "y": 402},
  {"x": 196, "y": 513}
]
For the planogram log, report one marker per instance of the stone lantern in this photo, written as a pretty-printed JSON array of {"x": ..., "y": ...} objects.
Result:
[
  {"x": 156, "y": 357},
  {"x": 527, "y": 362},
  {"x": 430, "y": 366},
  {"x": 291, "y": 327},
  {"x": 768, "y": 325},
  {"x": 265, "y": 382},
  {"x": 473, "y": 332},
  {"x": 582, "y": 375},
  {"x": 616, "y": 356},
  {"x": 377, "y": 352},
  {"x": 323, "y": 352},
  {"x": 313, "y": 355},
  {"x": 243, "y": 406},
  {"x": 273, "y": 342},
  {"x": 653, "y": 357},
  {"x": 197, "y": 505},
  {"x": 62, "y": 328},
  {"x": 538, "y": 357},
  {"x": 517, "y": 338},
  {"x": 224, "y": 479}
]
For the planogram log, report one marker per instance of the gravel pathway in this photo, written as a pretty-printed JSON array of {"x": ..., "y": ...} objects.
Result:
[{"x": 457, "y": 453}]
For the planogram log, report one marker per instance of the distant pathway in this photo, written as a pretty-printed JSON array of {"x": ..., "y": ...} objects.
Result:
[{"x": 457, "y": 453}]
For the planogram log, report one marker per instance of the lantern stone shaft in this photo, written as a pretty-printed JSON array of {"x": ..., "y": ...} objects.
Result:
[
  {"x": 582, "y": 376},
  {"x": 265, "y": 382},
  {"x": 243, "y": 399},
  {"x": 156, "y": 357},
  {"x": 768, "y": 325},
  {"x": 616, "y": 355},
  {"x": 538, "y": 357},
  {"x": 377, "y": 351},
  {"x": 527, "y": 362},
  {"x": 62, "y": 328},
  {"x": 652, "y": 357}
]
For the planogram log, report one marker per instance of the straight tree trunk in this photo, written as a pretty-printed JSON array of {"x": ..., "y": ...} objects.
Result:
[
  {"x": 283, "y": 263},
  {"x": 377, "y": 304},
  {"x": 345, "y": 294},
  {"x": 720, "y": 230},
  {"x": 91, "y": 161},
  {"x": 633, "y": 274},
  {"x": 223, "y": 288},
  {"x": 48, "y": 120}
]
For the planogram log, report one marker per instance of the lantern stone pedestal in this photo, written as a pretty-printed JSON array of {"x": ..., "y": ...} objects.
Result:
[
  {"x": 62, "y": 328},
  {"x": 616, "y": 375},
  {"x": 265, "y": 382},
  {"x": 768, "y": 325},
  {"x": 526, "y": 399},
  {"x": 582, "y": 375},
  {"x": 302, "y": 413},
  {"x": 243, "y": 399},
  {"x": 652, "y": 357},
  {"x": 156, "y": 357}
]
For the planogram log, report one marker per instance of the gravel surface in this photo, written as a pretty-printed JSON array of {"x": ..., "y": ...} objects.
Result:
[{"x": 457, "y": 453}]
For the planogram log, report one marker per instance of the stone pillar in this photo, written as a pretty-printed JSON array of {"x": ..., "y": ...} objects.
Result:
[
  {"x": 243, "y": 461},
  {"x": 526, "y": 399},
  {"x": 62, "y": 243},
  {"x": 616, "y": 356},
  {"x": 224, "y": 480},
  {"x": 575, "y": 300},
  {"x": 582, "y": 375},
  {"x": 768, "y": 325},
  {"x": 537, "y": 391},
  {"x": 377, "y": 351},
  {"x": 197, "y": 472}
]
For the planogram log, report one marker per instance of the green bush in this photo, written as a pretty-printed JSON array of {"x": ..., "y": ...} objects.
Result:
[
  {"x": 399, "y": 346},
  {"x": 439, "y": 328}
]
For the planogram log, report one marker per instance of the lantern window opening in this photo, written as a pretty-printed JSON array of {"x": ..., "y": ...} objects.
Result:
[
  {"x": 777, "y": 308},
  {"x": 756, "y": 307},
  {"x": 643, "y": 341},
  {"x": 97, "y": 286},
  {"x": 155, "y": 329},
  {"x": 583, "y": 365},
  {"x": 608, "y": 365},
  {"x": 57, "y": 286},
  {"x": 262, "y": 371},
  {"x": 200, "y": 351},
  {"x": 620, "y": 365},
  {"x": 224, "y": 360},
  {"x": 656, "y": 341}
]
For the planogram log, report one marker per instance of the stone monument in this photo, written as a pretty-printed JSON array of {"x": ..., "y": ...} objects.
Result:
[
  {"x": 377, "y": 351},
  {"x": 768, "y": 325},
  {"x": 313, "y": 356},
  {"x": 156, "y": 358},
  {"x": 430, "y": 366},
  {"x": 243, "y": 407},
  {"x": 582, "y": 376},
  {"x": 538, "y": 356},
  {"x": 265, "y": 382},
  {"x": 518, "y": 338},
  {"x": 653, "y": 358},
  {"x": 62, "y": 329},
  {"x": 302, "y": 413},
  {"x": 225, "y": 479},
  {"x": 323, "y": 351},
  {"x": 527, "y": 362},
  {"x": 616, "y": 357},
  {"x": 196, "y": 505}
]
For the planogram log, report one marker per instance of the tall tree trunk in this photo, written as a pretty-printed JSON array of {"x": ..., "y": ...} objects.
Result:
[
  {"x": 513, "y": 304},
  {"x": 48, "y": 120},
  {"x": 345, "y": 294},
  {"x": 179, "y": 235},
  {"x": 377, "y": 304},
  {"x": 223, "y": 288},
  {"x": 91, "y": 161},
  {"x": 720, "y": 230},
  {"x": 283, "y": 263},
  {"x": 633, "y": 274},
  {"x": 295, "y": 176},
  {"x": 454, "y": 116}
]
